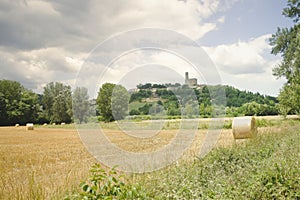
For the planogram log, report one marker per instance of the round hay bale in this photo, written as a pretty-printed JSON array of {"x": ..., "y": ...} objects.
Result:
[
  {"x": 54, "y": 124},
  {"x": 244, "y": 127},
  {"x": 63, "y": 123},
  {"x": 17, "y": 125},
  {"x": 45, "y": 124},
  {"x": 29, "y": 126}
]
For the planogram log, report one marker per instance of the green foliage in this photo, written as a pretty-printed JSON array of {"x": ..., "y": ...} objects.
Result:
[
  {"x": 237, "y": 98},
  {"x": 119, "y": 100},
  {"x": 211, "y": 101},
  {"x": 150, "y": 86},
  {"x": 112, "y": 102},
  {"x": 57, "y": 102},
  {"x": 134, "y": 112},
  {"x": 80, "y": 104},
  {"x": 104, "y": 184},
  {"x": 266, "y": 167},
  {"x": 138, "y": 96},
  {"x": 205, "y": 111},
  {"x": 286, "y": 42},
  {"x": 17, "y": 104},
  {"x": 144, "y": 110},
  {"x": 289, "y": 99},
  {"x": 104, "y": 101}
]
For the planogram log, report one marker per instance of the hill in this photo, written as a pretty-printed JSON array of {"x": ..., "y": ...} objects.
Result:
[{"x": 208, "y": 100}]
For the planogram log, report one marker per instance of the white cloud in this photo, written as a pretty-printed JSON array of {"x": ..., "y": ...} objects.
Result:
[
  {"x": 221, "y": 19},
  {"x": 208, "y": 7},
  {"x": 37, "y": 67},
  {"x": 247, "y": 65},
  {"x": 241, "y": 57},
  {"x": 265, "y": 82}
]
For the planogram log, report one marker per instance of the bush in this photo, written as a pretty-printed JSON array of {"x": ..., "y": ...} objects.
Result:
[{"x": 134, "y": 112}]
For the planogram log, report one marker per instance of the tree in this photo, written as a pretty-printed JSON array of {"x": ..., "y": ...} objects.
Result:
[
  {"x": 80, "y": 104},
  {"x": 112, "y": 102},
  {"x": 17, "y": 104},
  {"x": 119, "y": 104},
  {"x": 145, "y": 109},
  {"x": 57, "y": 102},
  {"x": 28, "y": 106},
  {"x": 288, "y": 100},
  {"x": 134, "y": 112},
  {"x": 3, "y": 112},
  {"x": 286, "y": 42},
  {"x": 251, "y": 108}
]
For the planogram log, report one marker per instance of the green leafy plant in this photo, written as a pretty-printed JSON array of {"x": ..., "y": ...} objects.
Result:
[{"x": 104, "y": 184}]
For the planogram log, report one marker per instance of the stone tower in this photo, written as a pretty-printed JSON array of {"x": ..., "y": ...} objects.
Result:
[
  {"x": 186, "y": 78},
  {"x": 191, "y": 82}
]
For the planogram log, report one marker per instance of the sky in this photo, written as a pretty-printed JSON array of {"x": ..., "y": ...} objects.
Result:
[{"x": 87, "y": 43}]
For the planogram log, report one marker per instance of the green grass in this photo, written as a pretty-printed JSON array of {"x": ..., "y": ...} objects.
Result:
[
  {"x": 65, "y": 126},
  {"x": 136, "y": 105},
  {"x": 264, "y": 168}
]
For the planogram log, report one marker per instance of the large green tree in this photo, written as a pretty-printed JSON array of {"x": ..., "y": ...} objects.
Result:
[
  {"x": 57, "y": 102},
  {"x": 112, "y": 102},
  {"x": 17, "y": 104},
  {"x": 80, "y": 104},
  {"x": 286, "y": 42}
]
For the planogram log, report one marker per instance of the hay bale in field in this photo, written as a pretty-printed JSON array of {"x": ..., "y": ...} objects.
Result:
[
  {"x": 29, "y": 126},
  {"x": 45, "y": 124},
  {"x": 54, "y": 124},
  {"x": 63, "y": 123},
  {"x": 244, "y": 127},
  {"x": 17, "y": 125}
]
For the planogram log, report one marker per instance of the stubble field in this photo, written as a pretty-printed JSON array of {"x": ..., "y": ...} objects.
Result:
[{"x": 46, "y": 162}]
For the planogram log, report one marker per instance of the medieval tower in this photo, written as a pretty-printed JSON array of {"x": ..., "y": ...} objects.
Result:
[{"x": 191, "y": 82}]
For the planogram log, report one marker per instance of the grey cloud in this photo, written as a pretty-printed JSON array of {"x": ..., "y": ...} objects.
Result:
[{"x": 23, "y": 28}]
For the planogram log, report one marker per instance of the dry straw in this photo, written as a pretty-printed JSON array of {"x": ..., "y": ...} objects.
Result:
[
  {"x": 244, "y": 127},
  {"x": 29, "y": 126}
]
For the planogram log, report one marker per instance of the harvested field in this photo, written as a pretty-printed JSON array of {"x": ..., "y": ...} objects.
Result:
[
  {"x": 36, "y": 164},
  {"x": 46, "y": 162}
]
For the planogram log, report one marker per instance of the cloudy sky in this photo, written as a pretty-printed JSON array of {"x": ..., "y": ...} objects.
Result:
[{"x": 44, "y": 41}]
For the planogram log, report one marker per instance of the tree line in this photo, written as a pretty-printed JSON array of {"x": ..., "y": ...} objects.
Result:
[
  {"x": 58, "y": 103},
  {"x": 20, "y": 105}
]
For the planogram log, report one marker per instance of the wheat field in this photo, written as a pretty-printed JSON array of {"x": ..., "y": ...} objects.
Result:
[{"x": 48, "y": 162}]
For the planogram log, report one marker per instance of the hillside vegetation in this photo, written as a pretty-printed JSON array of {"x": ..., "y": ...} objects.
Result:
[{"x": 174, "y": 99}]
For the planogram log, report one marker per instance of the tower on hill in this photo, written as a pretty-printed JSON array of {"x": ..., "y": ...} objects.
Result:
[{"x": 191, "y": 82}]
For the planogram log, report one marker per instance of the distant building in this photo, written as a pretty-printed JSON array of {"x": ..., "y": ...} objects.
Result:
[{"x": 191, "y": 82}]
